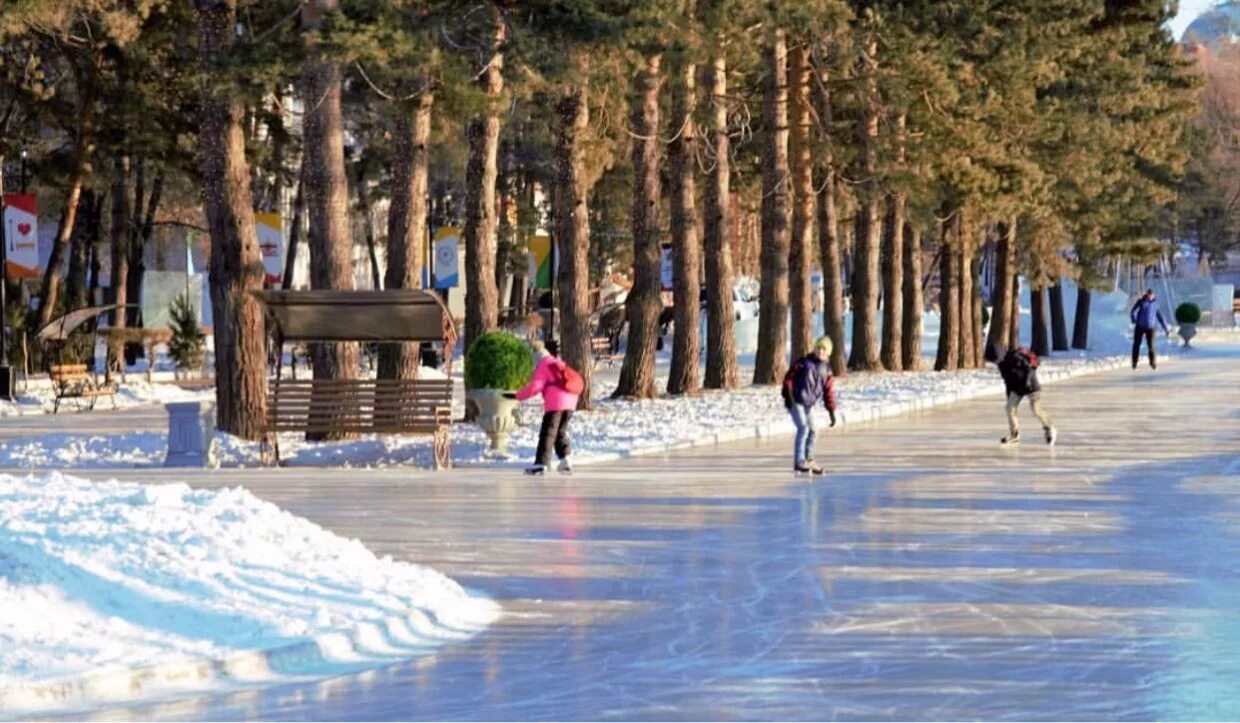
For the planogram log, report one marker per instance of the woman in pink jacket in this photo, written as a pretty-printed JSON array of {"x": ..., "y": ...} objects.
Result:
[{"x": 558, "y": 406}]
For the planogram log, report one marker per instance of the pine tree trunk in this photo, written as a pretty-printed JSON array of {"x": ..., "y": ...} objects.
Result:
[
  {"x": 50, "y": 289},
  {"x": 1041, "y": 320},
  {"x": 1001, "y": 304},
  {"x": 120, "y": 258},
  {"x": 770, "y": 362},
  {"x": 407, "y": 223},
  {"x": 829, "y": 243},
  {"x": 975, "y": 316},
  {"x": 572, "y": 223},
  {"x": 644, "y": 302},
  {"x": 296, "y": 230},
  {"x": 721, "y": 368},
  {"x": 1059, "y": 325},
  {"x": 142, "y": 230},
  {"x": 801, "y": 257},
  {"x": 481, "y": 294},
  {"x": 85, "y": 232},
  {"x": 1080, "y": 326},
  {"x": 949, "y": 294},
  {"x": 865, "y": 289},
  {"x": 964, "y": 246},
  {"x": 892, "y": 353},
  {"x": 1013, "y": 340},
  {"x": 684, "y": 376},
  {"x": 327, "y": 193},
  {"x": 911, "y": 318},
  {"x": 236, "y": 263}
]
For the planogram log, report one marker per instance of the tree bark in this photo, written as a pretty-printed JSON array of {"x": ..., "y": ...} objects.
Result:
[
  {"x": 892, "y": 353},
  {"x": 685, "y": 377},
  {"x": 865, "y": 347},
  {"x": 296, "y": 230},
  {"x": 327, "y": 192},
  {"x": 975, "y": 316},
  {"x": 236, "y": 262},
  {"x": 644, "y": 302},
  {"x": 829, "y": 242},
  {"x": 120, "y": 254},
  {"x": 85, "y": 234},
  {"x": 1005, "y": 265},
  {"x": 770, "y": 362},
  {"x": 572, "y": 222},
  {"x": 407, "y": 223},
  {"x": 949, "y": 294},
  {"x": 50, "y": 289},
  {"x": 721, "y": 368},
  {"x": 142, "y": 229},
  {"x": 1013, "y": 340},
  {"x": 801, "y": 256},
  {"x": 1041, "y": 320},
  {"x": 964, "y": 246},
  {"x": 481, "y": 294},
  {"x": 910, "y": 346},
  {"x": 1080, "y": 326},
  {"x": 1059, "y": 325}
]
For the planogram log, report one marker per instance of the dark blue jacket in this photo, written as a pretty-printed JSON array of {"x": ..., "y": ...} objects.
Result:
[
  {"x": 1018, "y": 367},
  {"x": 1145, "y": 314},
  {"x": 808, "y": 382}
]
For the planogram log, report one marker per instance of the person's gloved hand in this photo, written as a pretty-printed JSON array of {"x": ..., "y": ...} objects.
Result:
[{"x": 831, "y": 414}]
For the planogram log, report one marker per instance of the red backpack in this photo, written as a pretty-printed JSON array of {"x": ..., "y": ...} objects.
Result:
[{"x": 570, "y": 380}]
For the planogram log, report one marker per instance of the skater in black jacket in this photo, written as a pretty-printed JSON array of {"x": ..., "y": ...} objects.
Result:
[{"x": 1019, "y": 369}]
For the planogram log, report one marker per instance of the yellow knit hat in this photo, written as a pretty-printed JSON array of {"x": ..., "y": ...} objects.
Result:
[{"x": 824, "y": 343}]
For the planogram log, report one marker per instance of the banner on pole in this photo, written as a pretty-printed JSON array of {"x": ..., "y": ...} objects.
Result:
[
  {"x": 541, "y": 274},
  {"x": 447, "y": 270},
  {"x": 271, "y": 244},
  {"x": 21, "y": 236},
  {"x": 669, "y": 277}
]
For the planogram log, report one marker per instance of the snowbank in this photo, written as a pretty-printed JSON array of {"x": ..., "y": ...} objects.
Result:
[{"x": 113, "y": 589}]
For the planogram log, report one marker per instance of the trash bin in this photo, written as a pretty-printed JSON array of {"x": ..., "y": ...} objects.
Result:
[{"x": 191, "y": 435}]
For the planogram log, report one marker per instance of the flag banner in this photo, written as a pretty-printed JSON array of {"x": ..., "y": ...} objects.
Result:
[
  {"x": 21, "y": 237},
  {"x": 668, "y": 275},
  {"x": 271, "y": 245},
  {"x": 446, "y": 269},
  {"x": 541, "y": 274}
]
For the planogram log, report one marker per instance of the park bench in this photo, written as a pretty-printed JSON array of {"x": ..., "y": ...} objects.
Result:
[
  {"x": 601, "y": 350},
  {"x": 363, "y": 406},
  {"x": 72, "y": 381}
]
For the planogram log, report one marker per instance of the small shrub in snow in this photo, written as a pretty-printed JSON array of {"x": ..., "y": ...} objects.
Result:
[
  {"x": 498, "y": 360},
  {"x": 1187, "y": 313},
  {"x": 188, "y": 342}
]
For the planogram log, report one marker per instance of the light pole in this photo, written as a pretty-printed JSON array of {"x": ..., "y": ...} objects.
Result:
[{"x": 6, "y": 372}]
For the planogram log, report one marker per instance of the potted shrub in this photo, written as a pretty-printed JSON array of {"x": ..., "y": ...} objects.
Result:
[
  {"x": 188, "y": 344},
  {"x": 1187, "y": 315},
  {"x": 496, "y": 363}
]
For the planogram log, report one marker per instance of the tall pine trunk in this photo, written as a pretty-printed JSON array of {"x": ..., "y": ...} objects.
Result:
[
  {"x": 1013, "y": 340},
  {"x": 49, "y": 291},
  {"x": 120, "y": 237},
  {"x": 572, "y": 226},
  {"x": 296, "y": 231},
  {"x": 892, "y": 353},
  {"x": 1041, "y": 319},
  {"x": 829, "y": 244},
  {"x": 684, "y": 376},
  {"x": 1001, "y": 303},
  {"x": 721, "y": 367},
  {"x": 865, "y": 289},
  {"x": 236, "y": 263},
  {"x": 407, "y": 222},
  {"x": 85, "y": 234},
  {"x": 910, "y": 346},
  {"x": 142, "y": 230},
  {"x": 1080, "y": 326},
  {"x": 644, "y": 302},
  {"x": 1059, "y": 325},
  {"x": 968, "y": 346},
  {"x": 801, "y": 257},
  {"x": 949, "y": 292},
  {"x": 481, "y": 173},
  {"x": 770, "y": 362},
  {"x": 327, "y": 193}
]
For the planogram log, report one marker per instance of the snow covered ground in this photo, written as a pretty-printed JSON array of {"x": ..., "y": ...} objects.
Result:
[
  {"x": 108, "y": 589},
  {"x": 37, "y": 396}
]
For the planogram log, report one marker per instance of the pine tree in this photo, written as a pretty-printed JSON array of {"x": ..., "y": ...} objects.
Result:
[{"x": 188, "y": 343}]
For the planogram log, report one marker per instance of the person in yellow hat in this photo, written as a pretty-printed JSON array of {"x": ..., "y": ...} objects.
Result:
[{"x": 808, "y": 382}]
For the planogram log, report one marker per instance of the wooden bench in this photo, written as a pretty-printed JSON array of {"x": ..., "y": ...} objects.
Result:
[
  {"x": 600, "y": 350},
  {"x": 72, "y": 381},
  {"x": 361, "y": 406}
]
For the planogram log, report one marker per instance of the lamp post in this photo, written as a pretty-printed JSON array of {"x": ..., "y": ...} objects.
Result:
[{"x": 6, "y": 372}]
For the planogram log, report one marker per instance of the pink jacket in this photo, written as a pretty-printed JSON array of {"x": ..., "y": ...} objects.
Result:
[{"x": 546, "y": 379}]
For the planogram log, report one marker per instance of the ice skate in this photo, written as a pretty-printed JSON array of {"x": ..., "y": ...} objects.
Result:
[
  {"x": 1010, "y": 441},
  {"x": 538, "y": 469},
  {"x": 1051, "y": 435},
  {"x": 565, "y": 467}
]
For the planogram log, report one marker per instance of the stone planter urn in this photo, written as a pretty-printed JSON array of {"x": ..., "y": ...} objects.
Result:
[
  {"x": 497, "y": 415},
  {"x": 1187, "y": 332}
]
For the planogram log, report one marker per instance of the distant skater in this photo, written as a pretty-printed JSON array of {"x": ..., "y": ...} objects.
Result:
[
  {"x": 1144, "y": 315},
  {"x": 808, "y": 382},
  {"x": 1019, "y": 369}
]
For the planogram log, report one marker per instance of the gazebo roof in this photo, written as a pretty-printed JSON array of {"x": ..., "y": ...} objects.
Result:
[{"x": 394, "y": 315}]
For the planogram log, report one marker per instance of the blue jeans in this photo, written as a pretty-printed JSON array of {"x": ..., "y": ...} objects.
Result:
[{"x": 803, "y": 447}]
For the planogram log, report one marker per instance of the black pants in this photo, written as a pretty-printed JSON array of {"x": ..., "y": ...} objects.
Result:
[
  {"x": 1137, "y": 336},
  {"x": 553, "y": 433}
]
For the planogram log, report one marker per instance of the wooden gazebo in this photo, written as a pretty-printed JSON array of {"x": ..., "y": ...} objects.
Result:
[{"x": 351, "y": 406}]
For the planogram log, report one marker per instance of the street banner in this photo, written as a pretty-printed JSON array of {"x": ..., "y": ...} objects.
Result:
[
  {"x": 271, "y": 245},
  {"x": 541, "y": 274},
  {"x": 668, "y": 275},
  {"x": 446, "y": 262},
  {"x": 21, "y": 237}
]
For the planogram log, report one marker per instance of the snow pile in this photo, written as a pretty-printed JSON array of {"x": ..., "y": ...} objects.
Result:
[{"x": 99, "y": 580}]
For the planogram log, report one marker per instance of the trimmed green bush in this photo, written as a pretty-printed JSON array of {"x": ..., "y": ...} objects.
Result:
[
  {"x": 498, "y": 360},
  {"x": 188, "y": 344},
  {"x": 1187, "y": 313}
]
